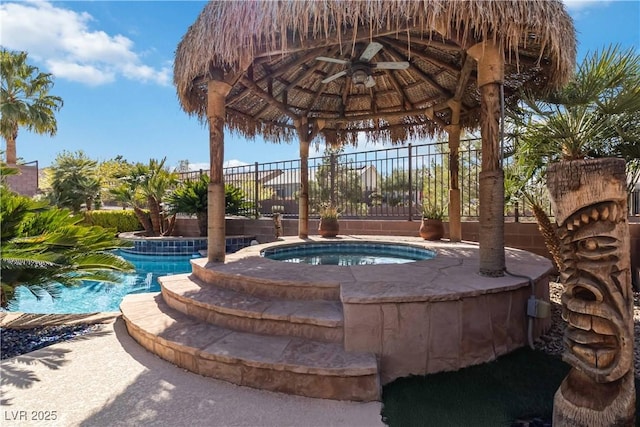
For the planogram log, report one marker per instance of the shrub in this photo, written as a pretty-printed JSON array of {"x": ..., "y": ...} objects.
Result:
[
  {"x": 236, "y": 201},
  {"x": 122, "y": 220}
]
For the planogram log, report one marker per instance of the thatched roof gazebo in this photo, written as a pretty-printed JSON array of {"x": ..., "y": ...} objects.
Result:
[{"x": 395, "y": 70}]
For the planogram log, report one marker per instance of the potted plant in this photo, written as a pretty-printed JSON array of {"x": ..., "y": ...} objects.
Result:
[
  {"x": 431, "y": 227},
  {"x": 329, "y": 226}
]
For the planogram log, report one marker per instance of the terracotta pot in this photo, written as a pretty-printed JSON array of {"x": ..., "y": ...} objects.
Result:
[
  {"x": 431, "y": 229},
  {"x": 328, "y": 227}
]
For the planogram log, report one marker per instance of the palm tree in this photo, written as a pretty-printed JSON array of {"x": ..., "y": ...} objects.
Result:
[
  {"x": 74, "y": 181},
  {"x": 155, "y": 185},
  {"x": 25, "y": 100},
  {"x": 595, "y": 115},
  {"x": 570, "y": 139},
  {"x": 44, "y": 248},
  {"x": 148, "y": 185}
]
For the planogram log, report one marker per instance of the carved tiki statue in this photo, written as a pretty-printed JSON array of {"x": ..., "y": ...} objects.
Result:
[{"x": 590, "y": 204}]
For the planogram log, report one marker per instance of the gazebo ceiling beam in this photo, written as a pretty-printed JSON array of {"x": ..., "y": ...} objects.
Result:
[
  {"x": 264, "y": 108},
  {"x": 465, "y": 74},
  {"x": 366, "y": 115},
  {"x": 242, "y": 94},
  {"x": 403, "y": 97},
  {"x": 308, "y": 70},
  {"x": 345, "y": 97},
  {"x": 267, "y": 97},
  {"x": 403, "y": 48},
  {"x": 424, "y": 76},
  {"x": 313, "y": 101},
  {"x": 283, "y": 67}
]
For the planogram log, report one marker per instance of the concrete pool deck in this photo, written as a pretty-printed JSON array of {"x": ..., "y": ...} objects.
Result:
[{"x": 107, "y": 379}]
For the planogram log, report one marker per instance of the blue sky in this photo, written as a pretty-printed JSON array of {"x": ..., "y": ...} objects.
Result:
[{"x": 113, "y": 60}]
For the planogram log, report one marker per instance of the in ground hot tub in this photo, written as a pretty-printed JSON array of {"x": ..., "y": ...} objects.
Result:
[{"x": 346, "y": 254}]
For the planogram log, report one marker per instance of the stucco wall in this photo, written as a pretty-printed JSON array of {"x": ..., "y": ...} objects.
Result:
[{"x": 26, "y": 183}]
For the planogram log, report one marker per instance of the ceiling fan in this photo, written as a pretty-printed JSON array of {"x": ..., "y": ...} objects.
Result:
[{"x": 360, "y": 70}]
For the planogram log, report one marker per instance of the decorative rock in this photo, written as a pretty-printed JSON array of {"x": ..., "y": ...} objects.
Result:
[{"x": 14, "y": 342}]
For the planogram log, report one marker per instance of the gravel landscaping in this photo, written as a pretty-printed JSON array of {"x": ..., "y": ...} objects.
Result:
[{"x": 14, "y": 342}]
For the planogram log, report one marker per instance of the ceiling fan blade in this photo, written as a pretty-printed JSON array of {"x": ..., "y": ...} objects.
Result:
[
  {"x": 334, "y": 60},
  {"x": 391, "y": 65},
  {"x": 370, "y": 82},
  {"x": 370, "y": 51},
  {"x": 335, "y": 76}
]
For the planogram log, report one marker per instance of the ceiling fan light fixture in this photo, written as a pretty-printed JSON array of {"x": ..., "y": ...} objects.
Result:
[{"x": 359, "y": 77}]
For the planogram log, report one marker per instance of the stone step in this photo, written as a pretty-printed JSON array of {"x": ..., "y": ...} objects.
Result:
[
  {"x": 312, "y": 319},
  {"x": 264, "y": 277},
  {"x": 284, "y": 364}
]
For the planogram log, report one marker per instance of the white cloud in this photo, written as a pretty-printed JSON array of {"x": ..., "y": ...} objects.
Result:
[
  {"x": 198, "y": 166},
  {"x": 234, "y": 163},
  {"x": 62, "y": 39},
  {"x": 87, "y": 74}
]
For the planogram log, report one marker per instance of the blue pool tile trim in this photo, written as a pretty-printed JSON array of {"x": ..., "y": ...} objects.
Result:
[
  {"x": 183, "y": 246},
  {"x": 370, "y": 248}
]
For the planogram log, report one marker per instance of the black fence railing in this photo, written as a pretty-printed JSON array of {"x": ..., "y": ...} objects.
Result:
[{"x": 387, "y": 183}]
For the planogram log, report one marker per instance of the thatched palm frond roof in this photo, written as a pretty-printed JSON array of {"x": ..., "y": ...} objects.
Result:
[{"x": 267, "y": 51}]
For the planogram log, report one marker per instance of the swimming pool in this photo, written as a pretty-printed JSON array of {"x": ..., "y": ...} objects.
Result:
[
  {"x": 95, "y": 297},
  {"x": 346, "y": 254}
]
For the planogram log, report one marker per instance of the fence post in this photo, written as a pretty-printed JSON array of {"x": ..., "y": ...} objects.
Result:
[
  {"x": 410, "y": 182},
  {"x": 332, "y": 179},
  {"x": 255, "y": 190},
  {"x": 516, "y": 211}
]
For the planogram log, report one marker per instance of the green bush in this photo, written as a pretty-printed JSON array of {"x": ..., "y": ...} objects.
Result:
[
  {"x": 236, "y": 202},
  {"x": 121, "y": 220}
]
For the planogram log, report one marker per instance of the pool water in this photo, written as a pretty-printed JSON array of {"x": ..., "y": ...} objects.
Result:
[
  {"x": 95, "y": 297},
  {"x": 347, "y": 254}
]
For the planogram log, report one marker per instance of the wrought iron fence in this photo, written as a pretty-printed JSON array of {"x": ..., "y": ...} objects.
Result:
[{"x": 387, "y": 183}]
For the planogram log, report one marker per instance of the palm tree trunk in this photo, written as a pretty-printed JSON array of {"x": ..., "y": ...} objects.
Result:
[
  {"x": 202, "y": 223},
  {"x": 171, "y": 225},
  {"x": 143, "y": 218},
  {"x": 11, "y": 155},
  {"x": 154, "y": 213}
]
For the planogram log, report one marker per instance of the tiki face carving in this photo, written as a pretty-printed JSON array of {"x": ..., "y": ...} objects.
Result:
[{"x": 595, "y": 303}]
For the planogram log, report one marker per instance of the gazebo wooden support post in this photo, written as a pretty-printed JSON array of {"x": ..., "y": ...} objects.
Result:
[
  {"x": 217, "y": 92},
  {"x": 491, "y": 233},
  {"x": 302, "y": 126},
  {"x": 453, "y": 130}
]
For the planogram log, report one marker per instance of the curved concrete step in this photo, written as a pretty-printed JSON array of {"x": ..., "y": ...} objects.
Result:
[
  {"x": 284, "y": 364},
  {"x": 312, "y": 319},
  {"x": 264, "y": 277}
]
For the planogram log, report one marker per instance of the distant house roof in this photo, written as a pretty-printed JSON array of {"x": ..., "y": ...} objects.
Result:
[
  {"x": 287, "y": 177},
  {"x": 263, "y": 176}
]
